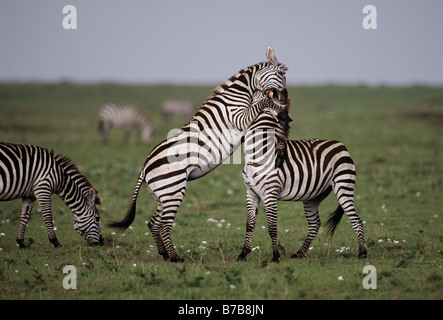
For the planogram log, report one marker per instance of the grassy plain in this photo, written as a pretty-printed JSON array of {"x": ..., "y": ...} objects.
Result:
[{"x": 395, "y": 136}]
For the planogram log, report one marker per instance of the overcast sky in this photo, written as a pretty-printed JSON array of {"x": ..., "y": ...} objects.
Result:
[{"x": 205, "y": 41}]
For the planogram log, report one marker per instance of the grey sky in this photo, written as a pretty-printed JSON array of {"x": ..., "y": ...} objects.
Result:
[{"x": 205, "y": 41}]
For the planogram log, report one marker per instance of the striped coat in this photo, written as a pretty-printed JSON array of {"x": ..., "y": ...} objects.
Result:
[
  {"x": 33, "y": 173},
  {"x": 295, "y": 170},
  {"x": 201, "y": 145}
]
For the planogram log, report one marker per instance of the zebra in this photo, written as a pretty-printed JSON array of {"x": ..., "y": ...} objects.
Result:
[
  {"x": 127, "y": 117},
  {"x": 201, "y": 145},
  {"x": 34, "y": 173},
  {"x": 277, "y": 168}
]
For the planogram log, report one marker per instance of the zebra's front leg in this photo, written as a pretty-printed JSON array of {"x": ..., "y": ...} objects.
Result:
[
  {"x": 271, "y": 214},
  {"x": 27, "y": 204},
  {"x": 311, "y": 212},
  {"x": 252, "y": 201},
  {"x": 44, "y": 201}
]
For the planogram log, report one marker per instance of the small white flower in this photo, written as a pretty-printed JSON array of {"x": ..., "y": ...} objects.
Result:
[
  {"x": 418, "y": 194},
  {"x": 286, "y": 230},
  {"x": 263, "y": 227},
  {"x": 208, "y": 272},
  {"x": 204, "y": 242},
  {"x": 340, "y": 278},
  {"x": 232, "y": 286},
  {"x": 230, "y": 191},
  {"x": 146, "y": 233},
  {"x": 380, "y": 240},
  {"x": 134, "y": 265},
  {"x": 310, "y": 248},
  {"x": 2, "y": 234},
  {"x": 395, "y": 241}
]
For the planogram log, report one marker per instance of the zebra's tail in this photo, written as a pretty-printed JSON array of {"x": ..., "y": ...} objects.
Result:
[
  {"x": 334, "y": 220},
  {"x": 130, "y": 213}
]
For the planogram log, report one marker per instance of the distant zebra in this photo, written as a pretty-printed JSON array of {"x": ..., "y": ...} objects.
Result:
[
  {"x": 295, "y": 170},
  {"x": 34, "y": 173},
  {"x": 201, "y": 145},
  {"x": 128, "y": 118},
  {"x": 178, "y": 107}
]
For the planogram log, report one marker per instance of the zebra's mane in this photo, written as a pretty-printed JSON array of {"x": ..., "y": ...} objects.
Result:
[
  {"x": 284, "y": 118},
  {"x": 70, "y": 168}
]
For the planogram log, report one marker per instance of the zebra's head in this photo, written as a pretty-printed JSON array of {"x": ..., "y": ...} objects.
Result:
[
  {"x": 87, "y": 222},
  {"x": 270, "y": 79}
]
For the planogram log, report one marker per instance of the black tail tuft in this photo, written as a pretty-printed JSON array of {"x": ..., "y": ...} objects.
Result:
[
  {"x": 127, "y": 220},
  {"x": 334, "y": 220}
]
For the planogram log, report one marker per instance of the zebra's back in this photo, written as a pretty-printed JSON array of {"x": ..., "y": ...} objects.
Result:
[
  {"x": 310, "y": 167},
  {"x": 21, "y": 168},
  {"x": 123, "y": 116}
]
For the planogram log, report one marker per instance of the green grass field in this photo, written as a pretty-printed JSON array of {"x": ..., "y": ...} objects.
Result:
[{"x": 395, "y": 136}]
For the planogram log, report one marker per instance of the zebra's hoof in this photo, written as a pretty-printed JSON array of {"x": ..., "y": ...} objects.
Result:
[
  {"x": 241, "y": 258},
  {"x": 275, "y": 260},
  {"x": 21, "y": 243},
  {"x": 176, "y": 259},
  {"x": 55, "y": 243}
]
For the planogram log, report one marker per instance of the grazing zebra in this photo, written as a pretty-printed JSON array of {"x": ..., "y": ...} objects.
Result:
[
  {"x": 34, "y": 173},
  {"x": 295, "y": 170},
  {"x": 201, "y": 145},
  {"x": 127, "y": 117},
  {"x": 178, "y": 107}
]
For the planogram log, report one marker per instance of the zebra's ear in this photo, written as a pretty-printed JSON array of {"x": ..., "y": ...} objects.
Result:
[{"x": 271, "y": 56}]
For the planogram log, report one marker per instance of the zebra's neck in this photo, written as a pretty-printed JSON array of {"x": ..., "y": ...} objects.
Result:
[
  {"x": 263, "y": 141},
  {"x": 73, "y": 185}
]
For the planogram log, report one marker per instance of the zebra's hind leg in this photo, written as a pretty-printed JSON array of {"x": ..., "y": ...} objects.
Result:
[
  {"x": 27, "y": 204},
  {"x": 170, "y": 204},
  {"x": 345, "y": 196},
  {"x": 311, "y": 212},
  {"x": 154, "y": 226},
  {"x": 252, "y": 201}
]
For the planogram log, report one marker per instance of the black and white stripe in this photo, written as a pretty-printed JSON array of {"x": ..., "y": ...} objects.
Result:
[
  {"x": 201, "y": 145},
  {"x": 295, "y": 170},
  {"x": 128, "y": 118},
  {"x": 34, "y": 173}
]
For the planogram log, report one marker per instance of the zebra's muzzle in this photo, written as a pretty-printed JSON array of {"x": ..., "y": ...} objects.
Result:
[
  {"x": 95, "y": 243},
  {"x": 279, "y": 95}
]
